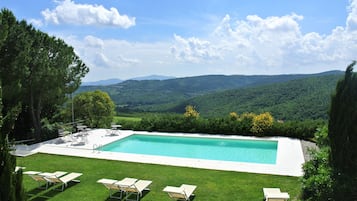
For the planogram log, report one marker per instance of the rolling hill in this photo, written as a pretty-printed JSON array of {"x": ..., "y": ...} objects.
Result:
[
  {"x": 293, "y": 100},
  {"x": 217, "y": 95}
]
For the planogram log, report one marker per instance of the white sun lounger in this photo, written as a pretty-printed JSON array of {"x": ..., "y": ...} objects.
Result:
[
  {"x": 39, "y": 177},
  {"x": 274, "y": 194},
  {"x": 137, "y": 188},
  {"x": 184, "y": 192},
  {"x": 112, "y": 186},
  {"x": 63, "y": 180},
  {"x": 17, "y": 168}
]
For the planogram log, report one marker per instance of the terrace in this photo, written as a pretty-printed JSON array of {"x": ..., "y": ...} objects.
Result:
[{"x": 289, "y": 161}]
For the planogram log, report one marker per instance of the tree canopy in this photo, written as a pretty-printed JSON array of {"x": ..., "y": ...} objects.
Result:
[
  {"x": 10, "y": 180},
  {"x": 331, "y": 174},
  {"x": 343, "y": 136},
  {"x": 37, "y": 71},
  {"x": 95, "y": 108}
]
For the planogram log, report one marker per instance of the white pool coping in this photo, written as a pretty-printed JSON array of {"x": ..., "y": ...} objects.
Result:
[{"x": 289, "y": 160}]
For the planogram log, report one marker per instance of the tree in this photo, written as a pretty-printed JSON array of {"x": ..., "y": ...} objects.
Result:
[
  {"x": 10, "y": 181},
  {"x": 246, "y": 122},
  {"x": 37, "y": 71},
  {"x": 262, "y": 122},
  {"x": 233, "y": 116},
  {"x": 317, "y": 181},
  {"x": 343, "y": 136},
  {"x": 191, "y": 112},
  {"x": 12, "y": 59},
  {"x": 96, "y": 108},
  {"x": 53, "y": 63}
]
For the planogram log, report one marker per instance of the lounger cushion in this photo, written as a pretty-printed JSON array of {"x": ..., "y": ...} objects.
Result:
[
  {"x": 142, "y": 185},
  {"x": 70, "y": 177}
]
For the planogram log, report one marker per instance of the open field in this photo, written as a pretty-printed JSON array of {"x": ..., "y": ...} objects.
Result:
[
  {"x": 125, "y": 118},
  {"x": 211, "y": 184}
]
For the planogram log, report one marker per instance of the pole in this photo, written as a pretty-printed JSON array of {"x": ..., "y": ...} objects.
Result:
[{"x": 72, "y": 109}]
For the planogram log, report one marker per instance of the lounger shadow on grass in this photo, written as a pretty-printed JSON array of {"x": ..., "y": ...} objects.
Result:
[
  {"x": 130, "y": 196},
  {"x": 37, "y": 194}
]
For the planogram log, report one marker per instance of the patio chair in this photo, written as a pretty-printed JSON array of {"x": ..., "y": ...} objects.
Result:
[
  {"x": 78, "y": 140},
  {"x": 274, "y": 194},
  {"x": 137, "y": 188},
  {"x": 184, "y": 192},
  {"x": 112, "y": 186},
  {"x": 52, "y": 179},
  {"x": 62, "y": 132}
]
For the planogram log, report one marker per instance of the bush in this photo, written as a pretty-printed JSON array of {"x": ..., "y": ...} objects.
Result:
[
  {"x": 228, "y": 126},
  {"x": 317, "y": 180}
]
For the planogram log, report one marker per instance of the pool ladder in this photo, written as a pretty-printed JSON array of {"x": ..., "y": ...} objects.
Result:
[{"x": 95, "y": 148}]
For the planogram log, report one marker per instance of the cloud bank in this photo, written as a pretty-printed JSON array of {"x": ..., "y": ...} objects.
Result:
[
  {"x": 68, "y": 12},
  {"x": 276, "y": 43},
  {"x": 253, "y": 45}
]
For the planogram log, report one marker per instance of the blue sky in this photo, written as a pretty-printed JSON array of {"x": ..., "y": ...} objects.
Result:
[{"x": 132, "y": 38}]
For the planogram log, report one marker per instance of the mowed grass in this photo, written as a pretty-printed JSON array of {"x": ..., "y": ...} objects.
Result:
[
  {"x": 211, "y": 185},
  {"x": 124, "y": 118}
]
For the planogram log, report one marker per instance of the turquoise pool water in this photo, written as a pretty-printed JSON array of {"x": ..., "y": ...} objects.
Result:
[{"x": 252, "y": 151}]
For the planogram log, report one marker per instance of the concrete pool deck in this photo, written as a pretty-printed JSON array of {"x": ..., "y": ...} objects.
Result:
[{"x": 290, "y": 157}]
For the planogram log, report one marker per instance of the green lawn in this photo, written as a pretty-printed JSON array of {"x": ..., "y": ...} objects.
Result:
[
  {"x": 125, "y": 118},
  {"x": 211, "y": 184}
]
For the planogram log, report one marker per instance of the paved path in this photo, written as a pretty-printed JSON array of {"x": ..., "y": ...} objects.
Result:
[{"x": 306, "y": 146}]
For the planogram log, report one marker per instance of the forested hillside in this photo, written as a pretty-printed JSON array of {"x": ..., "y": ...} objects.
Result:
[
  {"x": 306, "y": 98},
  {"x": 209, "y": 94}
]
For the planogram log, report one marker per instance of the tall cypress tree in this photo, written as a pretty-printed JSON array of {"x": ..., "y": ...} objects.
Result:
[
  {"x": 343, "y": 136},
  {"x": 11, "y": 187}
]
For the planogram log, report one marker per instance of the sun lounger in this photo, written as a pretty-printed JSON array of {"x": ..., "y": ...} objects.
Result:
[
  {"x": 137, "y": 188},
  {"x": 62, "y": 132},
  {"x": 39, "y": 177},
  {"x": 112, "y": 186},
  {"x": 63, "y": 180},
  {"x": 274, "y": 194},
  {"x": 184, "y": 192},
  {"x": 78, "y": 140},
  {"x": 17, "y": 168}
]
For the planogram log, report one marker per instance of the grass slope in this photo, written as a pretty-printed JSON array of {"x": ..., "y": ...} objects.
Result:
[{"x": 212, "y": 185}]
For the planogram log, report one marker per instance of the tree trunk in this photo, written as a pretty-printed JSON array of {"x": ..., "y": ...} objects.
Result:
[{"x": 35, "y": 116}]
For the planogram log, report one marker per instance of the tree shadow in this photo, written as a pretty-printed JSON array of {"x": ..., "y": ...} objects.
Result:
[{"x": 41, "y": 193}]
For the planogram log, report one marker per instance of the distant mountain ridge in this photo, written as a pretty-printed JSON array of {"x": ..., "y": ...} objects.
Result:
[
  {"x": 117, "y": 81},
  {"x": 103, "y": 82},
  {"x": 153, "y": 77},
  {"x": 171, "y": 95}
]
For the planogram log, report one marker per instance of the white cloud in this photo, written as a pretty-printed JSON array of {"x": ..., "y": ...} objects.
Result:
[
  {"x": 113, "y": 58},
  {"x": 193, "y": 50},
  {"x": 93, "y": 42},
  {"x": 68, "y": 12},
  {"x": 351, "y": 22},
  {"x": 36, "y": 22},
  {"x": 274, "y": 44},
  {"x": 253, "y": 45}
]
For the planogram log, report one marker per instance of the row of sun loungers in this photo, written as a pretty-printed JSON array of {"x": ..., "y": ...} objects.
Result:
[
  {"x": 132, "y": 186},
  {"x": 126, "y": 186},
  {"x": 58, "y": 177},
  {"x": 129, "y": 186}
]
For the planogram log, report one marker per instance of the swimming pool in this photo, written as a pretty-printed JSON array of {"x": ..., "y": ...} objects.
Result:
[{"x": 251, "y": 151}]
